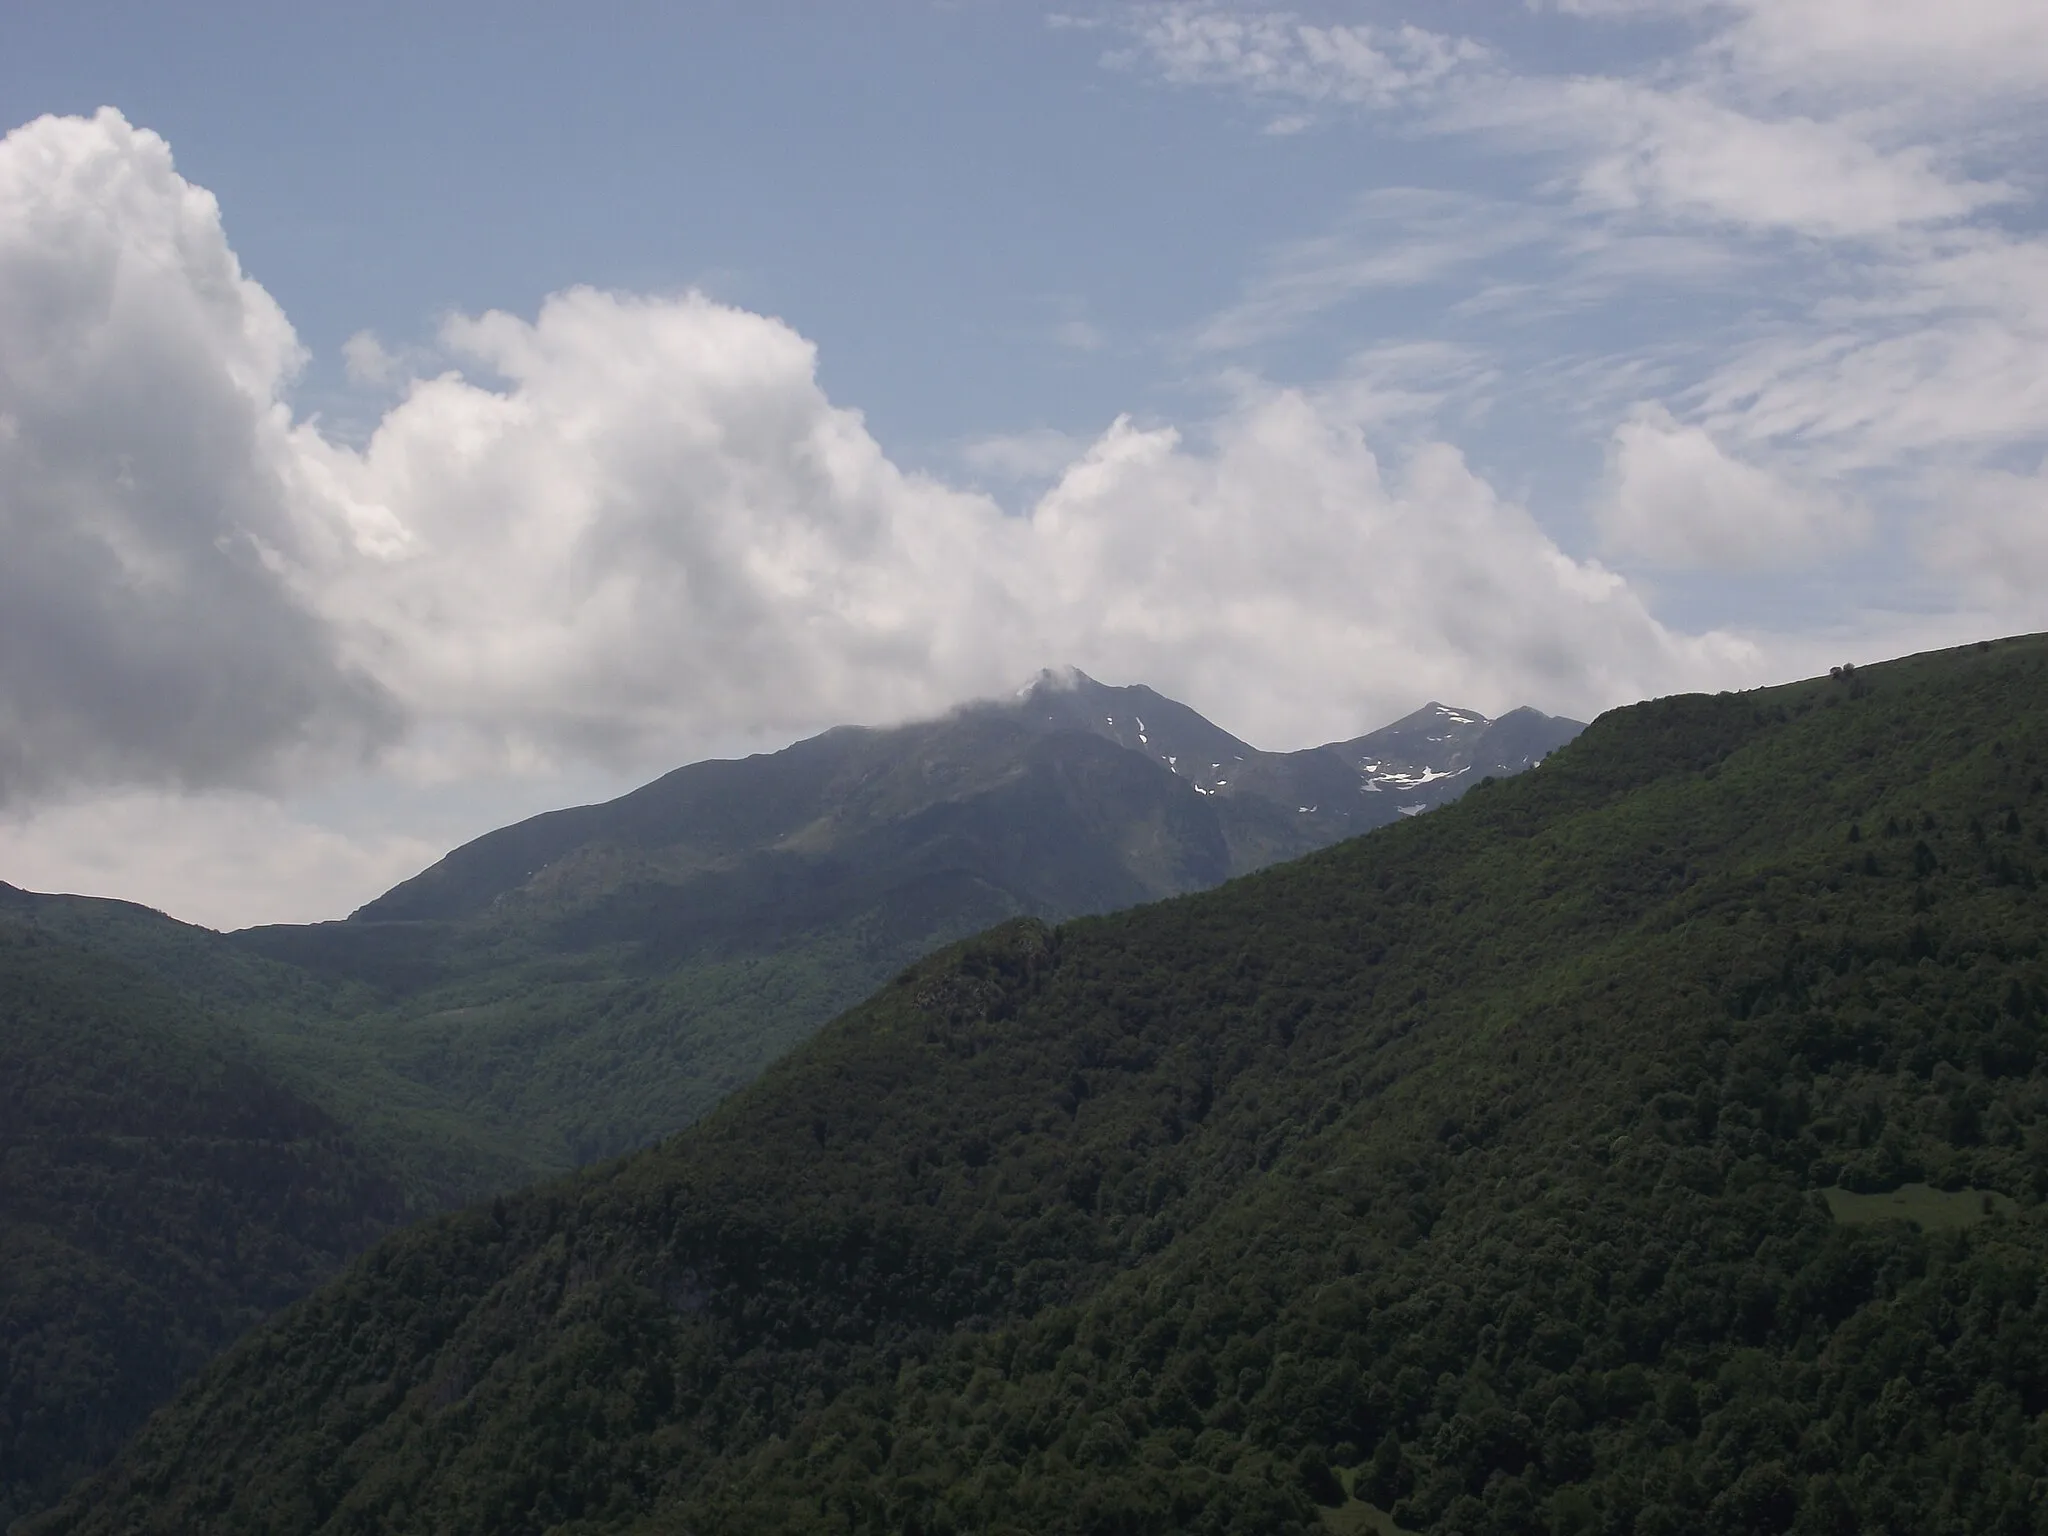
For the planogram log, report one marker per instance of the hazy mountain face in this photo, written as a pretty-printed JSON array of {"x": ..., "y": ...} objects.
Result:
[
  {"x": 878, "y": 794},
  {"x": 593, "y": 978}
]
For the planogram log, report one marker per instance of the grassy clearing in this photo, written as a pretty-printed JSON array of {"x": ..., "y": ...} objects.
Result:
[
  {"x": 1360, "y": 1519},
  {"x": 1357, "y": 1517},
  {"x": 1928, "y": 1208}
]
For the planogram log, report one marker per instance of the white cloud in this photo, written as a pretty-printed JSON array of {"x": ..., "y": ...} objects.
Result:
[
  {"x": 1704, "y": 141},
  {"x": 636, "y": 525},
  {"x": 1675, "y": 498},
  {"x": 1685, "y": 154},
  {"x": 656, "y": 523},
  {"x": 658, "y": 527},
  {"x": 368, "y": 362},
  {"x": 1038, "y": 454},
  {"x": 1284, "y": 582},
  {"x": 144, "y": 633},
  {"x": 1078, "y": 336},
  {"x": 1395, "y": 391},
  {"x": 221, "y": 860},
  {"x": 1936, "y": 357},
  {"x": 1982, "y": 45},
  {"x": 1997, "y": 541},
  {"x": 1814, "y": 224}
]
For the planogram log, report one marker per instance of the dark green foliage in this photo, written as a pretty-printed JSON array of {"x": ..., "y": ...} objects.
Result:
[
  {"x": 159, "y": 1193},
  {"x": 314, "y": 1033},
  {"x": 1481, "y": 1157}
]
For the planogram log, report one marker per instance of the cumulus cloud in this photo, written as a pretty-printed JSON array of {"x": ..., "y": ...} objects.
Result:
[
  {"x": 1287, "y": 580},
  {"x": 368, "y": 361},
  {"x": 1674, "y": 497},
  {"x": 1997, "y": 542},
  {"x": 145, "y": 632},
  {"x": 1037, "y": 454},
  {"x": 652, "y": 524},
  {"x": 629, "y": 526},
  {"x": 648, "y": 519}
]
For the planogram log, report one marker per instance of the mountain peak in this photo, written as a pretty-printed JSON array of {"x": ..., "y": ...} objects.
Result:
[{"x": 1066, "y": 678}]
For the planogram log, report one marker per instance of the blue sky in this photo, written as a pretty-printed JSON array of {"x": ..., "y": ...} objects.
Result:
[
  {"x": 542, "y": 399},
  {"x": 931, "y": 193}
]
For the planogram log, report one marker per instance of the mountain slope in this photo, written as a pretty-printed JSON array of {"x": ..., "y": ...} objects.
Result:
[
  {"x": 552, "y": 993},
  {"x": 160, "y": 1191},
  {"x": 587, "y": 980},
  {"x": 1501, "y": 1167}
]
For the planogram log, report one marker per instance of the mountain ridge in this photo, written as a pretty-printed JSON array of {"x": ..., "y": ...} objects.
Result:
[{"x": 757, "y": 792}]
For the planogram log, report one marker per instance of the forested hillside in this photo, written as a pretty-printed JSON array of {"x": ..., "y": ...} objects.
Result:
[
  {"x": 562, "y": 989},
  {"x": 1510, "y": 1169},
  {"x": 159, "y": 1193}
]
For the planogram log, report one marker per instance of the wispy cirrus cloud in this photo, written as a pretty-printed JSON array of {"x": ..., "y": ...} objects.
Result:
[
  {"x": 1797, "y": 258},
  {"x": 1280, "y": 57},
  {"x": 1682, "y": 154},
  {"x": 1987, "y": 48},
  {"x": 1403, "y": 237}
]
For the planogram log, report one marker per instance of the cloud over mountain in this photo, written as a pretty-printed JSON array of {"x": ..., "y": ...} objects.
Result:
[{"x": 630, "y": 524}]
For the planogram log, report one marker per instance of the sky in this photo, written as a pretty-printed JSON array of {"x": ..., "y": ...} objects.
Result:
[{"x": 416, "y": 417}]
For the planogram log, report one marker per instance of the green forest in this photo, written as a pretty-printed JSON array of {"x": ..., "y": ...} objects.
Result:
[
  {"x": 1653, "y": 1142},
  {"x": 561, "y": 990},
  {"x": 159, "y": 1194}
]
